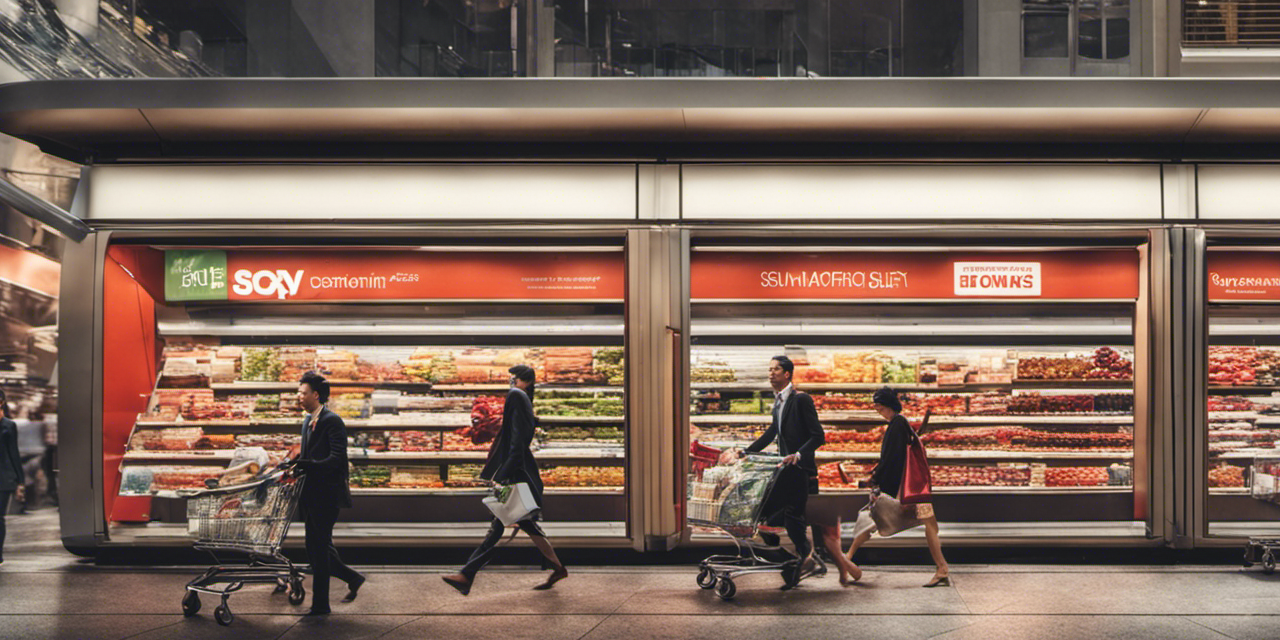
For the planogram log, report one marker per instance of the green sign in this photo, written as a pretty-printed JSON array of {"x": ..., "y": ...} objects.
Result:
[{"x": 199, "y": 274}]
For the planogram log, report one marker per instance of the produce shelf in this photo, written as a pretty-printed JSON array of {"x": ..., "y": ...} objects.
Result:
[
  {"x": 480, "y": 491},
  {"x": 220, "y": 456},
  {"x": 603, "y": 456},
  {"x": 1257, "y": 388},
  {"x": 1245, "y": 454}
]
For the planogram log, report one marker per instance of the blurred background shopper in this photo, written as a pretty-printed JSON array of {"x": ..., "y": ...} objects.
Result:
[
  {"x": 511, "y": 462},
  {"x": 12, "y": 477}
]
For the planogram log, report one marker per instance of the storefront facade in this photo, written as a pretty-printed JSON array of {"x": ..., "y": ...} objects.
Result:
[{"x": 1046, "y": 311}]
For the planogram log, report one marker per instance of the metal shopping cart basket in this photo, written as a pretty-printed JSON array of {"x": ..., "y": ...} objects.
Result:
[
  {"x": 730, "y": 498},
  {"x": 1264, "y": 484},
  {"x": 250, "y": 521}
]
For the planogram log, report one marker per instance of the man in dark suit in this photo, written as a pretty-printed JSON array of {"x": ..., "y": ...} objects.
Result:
[
  {"x": 323, "y": 460},
  {"x": 799, "y": 434}
]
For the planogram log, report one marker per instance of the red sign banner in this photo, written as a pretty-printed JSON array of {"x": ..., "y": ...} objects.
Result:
[
  {"x": 352, "y": 275},
  {"x": 1243, "y": 275},
  {"x": 1107, "y": 274}
]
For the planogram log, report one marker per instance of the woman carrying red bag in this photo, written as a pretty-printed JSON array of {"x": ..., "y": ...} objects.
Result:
[{"x": 903, "y": 473}]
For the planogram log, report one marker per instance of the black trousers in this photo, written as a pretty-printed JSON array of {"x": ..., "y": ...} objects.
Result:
[
  {"x": 786, "y": 504},
  {"x": 49, "y": 463},
  {"x": 4, "y": 509},
  {"x": 323, "y": 555},
  {"x": 484, "y": 553}
]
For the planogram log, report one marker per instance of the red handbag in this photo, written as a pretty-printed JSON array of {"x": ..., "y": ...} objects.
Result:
[{"x": 916, "y": 485}]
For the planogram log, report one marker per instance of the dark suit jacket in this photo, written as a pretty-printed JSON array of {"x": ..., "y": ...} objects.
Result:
[
  {"x": 510, "y": 460},
  {"x": 11, "y": 475},
  {"x": 799, "y": 432},
  {"x": 324, "y": 461},
  {"x": 893, "y": 456}
]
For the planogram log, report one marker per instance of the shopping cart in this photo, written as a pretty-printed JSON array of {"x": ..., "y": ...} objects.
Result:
[
  {"x": 730, "y": 498},
  {"x": 1264, "y": 484},
  {"x": 249, "y": 521}
]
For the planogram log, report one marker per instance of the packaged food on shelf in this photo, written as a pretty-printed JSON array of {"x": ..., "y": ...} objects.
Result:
[
  {"x": 295, "y": 361},
  {"x": 609, "y": 364},
  {"x": 369, "y": 476},
  {"x": 1035, "y": 402},
  {"x": 558, "y": 402},
  {"x": 1232, "y": 403},
  {"x": 1109, "y": 364},
  {"x": 135, "y": 480},
  {"x": 415, "y": 477},
  {"x": 1113, "y": 403},
  {"x": 993, "y": 367},
  {"x": 708, "y": 402},
  {"x": 442, "y": 403},
  {"x": 1076, "y": 476},
  {"x": 842, "y": 401},
  {"x": 571, "y": 365},
  {"x": 465, "y": 475},
  {"x": 856, "y": 367},
  {"x": 261, "y": 364},
  {"x": 817, "y": 368},
  {"x": 1267, "y": 366},
  {"x": 976, "y": 475},
  {"x": 750, "y": 406},
  {"x": 1225, "y": 475},
  {"x": 272, "y": 442},
  {"x": 1233, "y": 366},
  {"x": 942, "y": 404},
  {"x": 575, "y": 476},
  {"x": 486, "y": 419},
  {"x": 169, "y": 439},
  {"x": 215, "y": 441},
  {"x": 458, "y": 441},
  {"x": 745, "y": 434},
  {"x": 601, "y": 435},
  {"x": 899, "y": 370},
  {"x": 351, "y": 403},
  {"x": 837, "y": 437},
  {"x": 953, "y": 369},
  {"x": 988, "y": 404},
  {"x": 1047, "y": 367},
  {"x": 1120, "y": 475},
  {"x": 712, "y": 370},
  {"x": 337, "y": 364},
  {"x": 174, "y": 478}
]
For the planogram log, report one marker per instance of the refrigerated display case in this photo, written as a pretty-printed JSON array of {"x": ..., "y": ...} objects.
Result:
[
  {"x": 1033, "y": 370},
  {"x": 1243, "y": 410},
  {"x": 416, "y": 343}
]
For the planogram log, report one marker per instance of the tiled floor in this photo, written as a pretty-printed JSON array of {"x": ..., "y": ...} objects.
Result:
[{"x": 45, "y": 593}]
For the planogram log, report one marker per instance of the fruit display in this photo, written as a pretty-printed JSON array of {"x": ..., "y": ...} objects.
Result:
[
  {"x": 941, "y": 404},
  {"x": 1108, "y": 364},
  {"x": 1231, "y": 403},
  {"x": 1014, "y": 438},
  {"x": 369, "y": 476},
  {"x": 1233, "y": 366},
  {"x": 1120, "y": 403}
]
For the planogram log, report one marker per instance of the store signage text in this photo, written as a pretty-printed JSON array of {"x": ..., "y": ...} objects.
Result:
[
  {"x": 1103, "y": 274},
  {"x": 834, "y": 279},
  {"x": 997, "y": 278},
  {"x": 1243, "y": 275},
  {"x": 339, "y": 275}
]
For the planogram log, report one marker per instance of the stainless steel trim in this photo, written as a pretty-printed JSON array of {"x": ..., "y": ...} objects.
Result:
[
  {"x": 1195, "y": 434},
  {"x": 47, "y": 213}
]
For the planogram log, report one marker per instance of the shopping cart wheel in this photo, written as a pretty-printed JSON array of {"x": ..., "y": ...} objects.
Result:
[
  {"x": 223, "y": 615},
  {"x": 707, "y": 579},
  {"x": 1268, "y": 562},
  {"x": 297, "y": 593},
  {"x": 190, "y": 604},
  {"x": 726, "y": 589}
]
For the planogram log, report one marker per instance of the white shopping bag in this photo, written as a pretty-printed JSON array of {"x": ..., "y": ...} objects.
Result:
[{"x": 511, "y": 503}]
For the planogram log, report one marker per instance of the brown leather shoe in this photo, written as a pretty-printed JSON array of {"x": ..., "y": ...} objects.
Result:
[
  {"x": 560, "y": 573},
  {"x": 459, "y": 582}
]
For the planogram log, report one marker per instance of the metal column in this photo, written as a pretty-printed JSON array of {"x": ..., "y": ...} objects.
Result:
[{"x": 657, "y": 385}]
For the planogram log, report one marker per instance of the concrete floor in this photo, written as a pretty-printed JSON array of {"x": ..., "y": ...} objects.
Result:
[{"x": 46, "y": 593}]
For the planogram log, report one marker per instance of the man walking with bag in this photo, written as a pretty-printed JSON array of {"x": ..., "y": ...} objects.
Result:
[
  {"x": 799, "y": 434},
  {"x": 511, "y": 463},
  {"x": 323, "y": 461}
]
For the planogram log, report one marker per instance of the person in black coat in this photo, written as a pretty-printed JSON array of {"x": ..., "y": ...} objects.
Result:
[
  {"x": 12, "y": 478},
  {"x": 799, "y": 434},
  {"x": 511, "y": 462},
  {"x": 887, "y": 479},
  {"x": 323, "y": 461}
]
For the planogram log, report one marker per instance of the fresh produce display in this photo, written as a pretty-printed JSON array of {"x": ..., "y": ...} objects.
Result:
[
  {"x": 1019, "y": 438},
  {"x": 213, "y": 400},
  {"x": 1267, "y": 366},
  {"x": 1034, "y": 402},
  {"x": 895, "y": 371},
  {"x": 1232, "y": 403},
  {"x": 1110, "y": 365}
]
